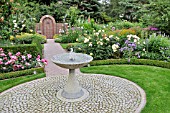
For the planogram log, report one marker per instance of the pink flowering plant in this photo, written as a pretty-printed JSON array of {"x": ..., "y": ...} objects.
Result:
[{"x": 14, "y": 62}]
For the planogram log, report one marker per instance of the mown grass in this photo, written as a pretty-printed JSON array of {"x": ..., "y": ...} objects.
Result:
[
  {"x": 65, "y": 45},
  {"x": 9, "y": 83},
  {"x": 154, "y": 80}
]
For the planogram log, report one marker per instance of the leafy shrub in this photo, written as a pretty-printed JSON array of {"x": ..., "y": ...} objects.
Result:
[
  {"x": 21, "y": 73},
  {"x": 98, "y": 45},
  {"x": 156, "y": 47},
  {"x": 26, "y": 38},
  {"x": 124, "y": 24}
]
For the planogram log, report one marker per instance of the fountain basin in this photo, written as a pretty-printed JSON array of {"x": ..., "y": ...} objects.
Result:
[
  {"x": 72, "y": 90},
  {"x": 63, "y": 60}
]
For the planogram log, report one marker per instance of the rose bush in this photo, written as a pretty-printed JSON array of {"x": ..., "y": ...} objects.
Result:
[{"x": 13, "y": 62}]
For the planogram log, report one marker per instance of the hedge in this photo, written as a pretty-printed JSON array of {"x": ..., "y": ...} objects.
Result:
[
  {"x": 21, "y": 73},
  {"x": 132, "y": 61},
  {"x": 34, "y": 48}
]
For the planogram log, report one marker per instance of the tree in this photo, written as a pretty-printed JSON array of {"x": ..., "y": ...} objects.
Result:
[
  {"x": 87, "y": 7},
  {"x": 157, "y": 14}
]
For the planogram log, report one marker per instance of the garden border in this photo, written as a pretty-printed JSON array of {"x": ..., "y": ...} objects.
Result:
[
  {"x": 21, "y": 73},
  {"x": 149, "y": 62}
]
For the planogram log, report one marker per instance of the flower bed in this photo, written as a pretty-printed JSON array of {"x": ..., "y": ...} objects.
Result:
[{"x": 19, "y": 61}]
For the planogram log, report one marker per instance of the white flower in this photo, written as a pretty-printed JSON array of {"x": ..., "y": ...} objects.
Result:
[
  {"x": 117, "y": 38},
  {"x": 143, "y": 49},
  {"x": 99, "y": 31},
  {"x": 91, "y": 54},
  {"x": 107, "y": 39},
  {"x": 115, "y": 47},
  {"x": 77, "y": 39},
  {"x": 23, "y": 25},
  {"x": 90, "y": 44},
  {"x": 110, "y": 36},
  {"x": 14, "y": 21},
  {"x": 86, "y": 40},
  {"x": 96, "y": 34},
  {"x": 101, "y": 43},
  {"x": 135, "y": 40},
  {"x": 144, "y": 42},
  {"x": 15, "y": 24},
  {"x": 102, "y": 30}
]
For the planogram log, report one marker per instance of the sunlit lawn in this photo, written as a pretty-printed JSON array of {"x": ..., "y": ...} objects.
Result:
[{"x": 154, "y": 80}]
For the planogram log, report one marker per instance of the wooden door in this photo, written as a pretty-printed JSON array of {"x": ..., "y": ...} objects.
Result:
[{"x": 48, "y": 28}]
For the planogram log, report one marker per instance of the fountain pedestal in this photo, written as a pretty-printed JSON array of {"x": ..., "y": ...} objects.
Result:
[{"x": 72, "y": 91}]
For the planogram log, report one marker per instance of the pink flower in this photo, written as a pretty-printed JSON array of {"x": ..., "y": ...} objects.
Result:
[
  {"x": 23, "y": 57},
  {"x": 29, "y": 56},
  {"x": 18, "y": 54},
  {"x": 1, "y": 62},
  {"x": 13, "y": 57},
  {"x": 5, "y": 58},
  {"x": 39, "y": 56},
  {"x": 1, "y": 49},
  {"x": 27, "y": 64},
  {"x": 44, "y": 61},
  {"x": 2, "y": 54},
  {"x": 10, "y": 54}
]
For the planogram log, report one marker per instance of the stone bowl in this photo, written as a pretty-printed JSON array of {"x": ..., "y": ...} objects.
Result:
[{"x": 71, "y": 60}]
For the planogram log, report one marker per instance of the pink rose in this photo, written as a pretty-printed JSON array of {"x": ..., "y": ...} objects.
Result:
[
  {"x": 5, "y": 58},
  {"x": 23, "y": 57},
  {"x": 1, "y": 62},
  {"x": 44, "y": 61},
  {"x": 13, "y": 57},
  {"x": 2, "y": 54},
  {"x": 10, "y": 54},
  {"x": 29, "y": 56},
  {"x": 18, "y": 54}
]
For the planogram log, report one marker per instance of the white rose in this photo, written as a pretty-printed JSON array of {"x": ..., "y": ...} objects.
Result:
[{"x": 86, "y": 40}]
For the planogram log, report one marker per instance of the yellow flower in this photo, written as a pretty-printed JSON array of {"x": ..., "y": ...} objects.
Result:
[
  {"x": 91, "y": 54},
  {"x": 11, "y": 37},
  {"x": 31, "y": 30}
]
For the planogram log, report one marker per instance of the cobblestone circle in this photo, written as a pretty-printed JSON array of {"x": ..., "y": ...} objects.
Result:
[{"x": 107, "y": 94}]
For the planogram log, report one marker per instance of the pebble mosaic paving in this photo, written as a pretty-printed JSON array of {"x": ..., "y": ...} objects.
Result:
[{"x": 107, "y": 94}]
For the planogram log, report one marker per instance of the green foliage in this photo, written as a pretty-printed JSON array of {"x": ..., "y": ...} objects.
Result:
[
  {"x": 23, "y": 48},
  {"x": 132, "y": 62},
  {"x": 26, "y": 38},
  {"x": 70, "y": 37},
  {"x": 156, "y": 47},
  {"x": 125, "y": 24},
  {"x": 21, "y": 73},
  {"x": 157, "y": 14}
]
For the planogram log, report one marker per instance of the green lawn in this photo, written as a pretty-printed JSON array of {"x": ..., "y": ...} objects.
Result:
[
  {"x": 65, "y": 45},
  {"x": 6, "y": 84},
  {"x": 154, "y": 80}
]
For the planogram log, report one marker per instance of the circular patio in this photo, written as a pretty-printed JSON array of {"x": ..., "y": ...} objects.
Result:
[{"x": 107, "y": 94}]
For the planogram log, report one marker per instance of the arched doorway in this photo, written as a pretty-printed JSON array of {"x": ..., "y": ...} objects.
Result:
[{"x": 48, "y": 26}]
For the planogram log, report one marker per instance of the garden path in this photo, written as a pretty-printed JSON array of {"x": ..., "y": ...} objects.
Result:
[{"x": 50, "y": 49}]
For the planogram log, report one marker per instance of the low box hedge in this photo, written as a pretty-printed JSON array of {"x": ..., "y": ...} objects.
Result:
[
  {"x": 21, "y": 73},
  {"x": 132, "y": 61},
  {"x": 34, "y": 48}
]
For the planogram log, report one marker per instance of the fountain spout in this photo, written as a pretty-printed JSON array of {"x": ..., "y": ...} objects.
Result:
[{"x": 71, "y": 54}]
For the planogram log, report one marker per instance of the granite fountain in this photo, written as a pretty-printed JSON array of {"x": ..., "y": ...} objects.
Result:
[{"x": 72, "y": 90}]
